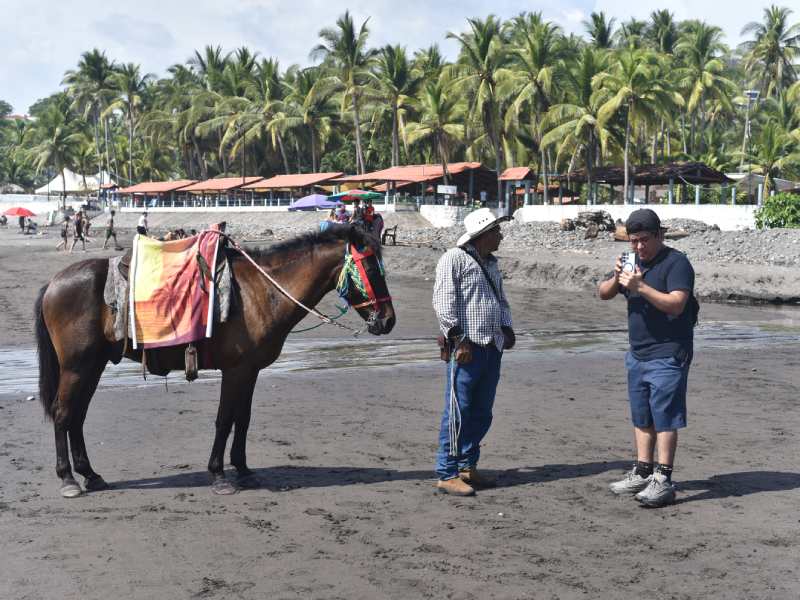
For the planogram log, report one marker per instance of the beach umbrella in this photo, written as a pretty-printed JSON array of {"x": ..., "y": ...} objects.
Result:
[
  {"x": 312, "y": 202},
  {"x": 351, "y": 195},
  {"x": 18, "y": 211}
]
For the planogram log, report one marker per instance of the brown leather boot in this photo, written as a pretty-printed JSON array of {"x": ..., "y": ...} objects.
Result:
[
  {"x": 454, "y": 487},
  {"x": 476, "y": 480}
]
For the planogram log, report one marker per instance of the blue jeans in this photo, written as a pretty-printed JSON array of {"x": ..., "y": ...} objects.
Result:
[{"x": 475, "y": 385}]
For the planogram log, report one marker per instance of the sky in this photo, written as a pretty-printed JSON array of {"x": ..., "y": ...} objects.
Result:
[{"x": 39, "y": 41}]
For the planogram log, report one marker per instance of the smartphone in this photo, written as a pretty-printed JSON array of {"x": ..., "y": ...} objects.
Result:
[{"x": 628, "y": 260}]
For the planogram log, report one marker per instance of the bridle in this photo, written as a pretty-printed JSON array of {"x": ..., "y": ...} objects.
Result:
[{"x": 354, "y": 272}]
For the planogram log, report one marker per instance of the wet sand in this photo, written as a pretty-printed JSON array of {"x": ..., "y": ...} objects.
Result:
[{"x": 348, "y": 508}]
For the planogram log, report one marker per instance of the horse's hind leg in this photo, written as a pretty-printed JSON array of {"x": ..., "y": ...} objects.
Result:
[
  {"x": 75, "y": 389},
  {"x": 80, "y": 458}
]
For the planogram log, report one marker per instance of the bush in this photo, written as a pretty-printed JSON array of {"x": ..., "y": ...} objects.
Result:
[{"x": 780, "y": 210}]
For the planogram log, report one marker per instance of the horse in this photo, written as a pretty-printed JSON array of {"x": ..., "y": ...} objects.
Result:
[{"x": 75, "y": 338}]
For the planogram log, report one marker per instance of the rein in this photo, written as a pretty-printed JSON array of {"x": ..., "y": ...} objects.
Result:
[{"x": 323, "y": 317}]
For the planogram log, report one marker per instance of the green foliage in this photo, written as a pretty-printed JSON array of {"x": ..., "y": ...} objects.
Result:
[{"x": 780, "y": 210}]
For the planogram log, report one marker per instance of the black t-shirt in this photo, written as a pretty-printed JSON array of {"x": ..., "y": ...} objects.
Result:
[{"x": 651, "y": 332}]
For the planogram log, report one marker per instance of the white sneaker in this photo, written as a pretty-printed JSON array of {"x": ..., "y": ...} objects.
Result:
[
  {"x": 660, "y": 492},
  {"x": 631, "y": 484}
]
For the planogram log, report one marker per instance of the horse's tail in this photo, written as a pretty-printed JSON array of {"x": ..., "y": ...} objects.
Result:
[{"x": 48, "y": 360}]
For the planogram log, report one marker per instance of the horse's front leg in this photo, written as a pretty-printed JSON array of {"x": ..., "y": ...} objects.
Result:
[
  {"x": 233, "y": 380},
  {"x": 245, "y": 478}
]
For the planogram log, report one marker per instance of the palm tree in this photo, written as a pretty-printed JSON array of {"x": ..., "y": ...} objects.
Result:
[
  {"x": 90, "y": 87},
  {"x": 536, "y": 60},
  {"x": 440, "y": 121},
  {"x": 428, "y": 63},
  {"x": 57, "y": 141},
  {"x": 396, "y": 84},
  {"x": 631, "y": 33},
  {"x": 634, "y": 88},
  {"x": 702, "y": 74},
  {"x": 771, "y": 56},
  {"x": 775, "y": 150},
  {"x": 574, "y": 123},
  {"x": 600, "y": 30},
  {"x": 308, "y": 106},
  {"x": 347, "y": 52},
  {"x": 662, "y": 31},
  {"x": 482, "y": 55},
  {"x": 209, "y": 65},
  {"x": 130, "y": 87}
]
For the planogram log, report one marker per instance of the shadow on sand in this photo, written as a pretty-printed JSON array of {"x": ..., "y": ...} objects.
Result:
[
  {"x": 731, "y": 485},
  {"x": 288, "y": 477}
]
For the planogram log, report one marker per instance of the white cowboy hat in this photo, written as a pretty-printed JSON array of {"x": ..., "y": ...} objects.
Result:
[{"x": 477, "y": 222}]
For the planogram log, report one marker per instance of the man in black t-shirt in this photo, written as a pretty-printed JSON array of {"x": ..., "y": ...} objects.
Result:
[{"x": 661, "y": 314}]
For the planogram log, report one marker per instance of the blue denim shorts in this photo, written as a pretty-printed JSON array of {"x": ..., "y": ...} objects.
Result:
[{"x": 657, "y": 392}]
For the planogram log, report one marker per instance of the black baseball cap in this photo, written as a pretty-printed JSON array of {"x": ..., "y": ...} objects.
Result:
[{"x": 643, "y": 219}]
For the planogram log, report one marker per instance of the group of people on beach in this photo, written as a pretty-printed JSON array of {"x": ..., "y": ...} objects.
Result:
[
  {"x": 474, "y": 315},
  {"x": 80, "y": 225},
  {"x": 364, "y": 216}
]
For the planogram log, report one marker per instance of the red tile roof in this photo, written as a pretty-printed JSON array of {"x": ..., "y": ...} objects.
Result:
[
  {"x": 223, "y": 184},
  {"x": 517, "y": 174},
  {"x": 156, "y": 187},
  {"x": 291, "y": 181},
  {"x": 413, "y": 173}
]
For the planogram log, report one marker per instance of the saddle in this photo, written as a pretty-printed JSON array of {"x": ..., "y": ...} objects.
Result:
[{"x": 116, "y": 295}]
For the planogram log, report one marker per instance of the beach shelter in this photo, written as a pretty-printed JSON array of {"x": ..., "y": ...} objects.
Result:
[
  {"x": 312, "y": 202},
  {"x": 73, "y": 183},
  {"x": 19, "y": 211}
]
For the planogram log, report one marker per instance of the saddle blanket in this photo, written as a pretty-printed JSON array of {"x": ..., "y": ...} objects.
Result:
[{"x": 171, "y": 296}]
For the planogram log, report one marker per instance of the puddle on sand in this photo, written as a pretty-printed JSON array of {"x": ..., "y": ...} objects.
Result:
[{"x": 19, "y": 366}]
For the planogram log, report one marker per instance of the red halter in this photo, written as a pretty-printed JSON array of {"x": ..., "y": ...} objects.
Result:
[{"x": 358, "y": 258}]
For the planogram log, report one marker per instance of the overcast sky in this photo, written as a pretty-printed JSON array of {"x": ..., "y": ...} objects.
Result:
[{"x": 40, "y": 40}]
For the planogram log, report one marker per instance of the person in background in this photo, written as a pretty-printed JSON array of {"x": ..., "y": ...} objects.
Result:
[
  {"x": 475, "y": 320},
  {"x": 111, "y": 232},
  {"x": 357, "y": 218},
  {"x": 78, "y": 232},
  {"x": 341, "y": 213},
  {"x": 64, "y": 233},
  {"x": 662, "y": 312},
  {"x": 141, "y": 227}
]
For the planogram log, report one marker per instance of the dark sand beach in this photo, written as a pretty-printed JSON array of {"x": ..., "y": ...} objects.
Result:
[{"x": 344, "y": 433}]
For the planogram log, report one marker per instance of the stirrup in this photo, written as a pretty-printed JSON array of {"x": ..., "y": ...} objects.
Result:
[{"x": 190, "y": 360}]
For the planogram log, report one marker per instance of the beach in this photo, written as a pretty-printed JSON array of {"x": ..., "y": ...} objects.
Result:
[{"x": 344, "y": 441}]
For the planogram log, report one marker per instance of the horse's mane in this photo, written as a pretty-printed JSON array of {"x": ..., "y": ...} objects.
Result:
[{"x": 336, "y": 232}]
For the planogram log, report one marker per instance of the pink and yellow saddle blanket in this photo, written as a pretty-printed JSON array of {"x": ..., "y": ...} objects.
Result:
[{"x": 171, "y": 290}]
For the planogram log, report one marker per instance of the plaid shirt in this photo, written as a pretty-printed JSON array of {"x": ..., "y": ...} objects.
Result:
[{"x": 465, "y": 302}]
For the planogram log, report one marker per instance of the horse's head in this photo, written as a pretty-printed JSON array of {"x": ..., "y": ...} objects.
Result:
[{"x": 362, "y": 283}]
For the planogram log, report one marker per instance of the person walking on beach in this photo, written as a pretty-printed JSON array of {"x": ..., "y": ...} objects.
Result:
[
  {"x": 475, "y": 318},
  {"x": 141, "y": 227},
  {"x": 78, "y": 232},
  {"x": 662, "y": 312},
  {"x": 111, "y": 232},
  {"x": 64, "y": 234}
]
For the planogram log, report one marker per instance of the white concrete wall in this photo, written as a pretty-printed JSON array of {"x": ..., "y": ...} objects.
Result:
[
  {"x": 726, "y": 217},
  {"x": 228, "y": 209},
  {"x": 443, "y": 216}
]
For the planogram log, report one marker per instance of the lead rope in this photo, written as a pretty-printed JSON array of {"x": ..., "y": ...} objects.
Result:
[
  {"x": 454, "y": 412},
  {"x": 282, "y": 290}
]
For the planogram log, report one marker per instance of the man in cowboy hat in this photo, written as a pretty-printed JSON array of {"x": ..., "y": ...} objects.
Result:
[{"x": 475, "y": 318}]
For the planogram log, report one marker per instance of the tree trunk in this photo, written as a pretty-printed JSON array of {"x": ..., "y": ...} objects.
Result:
[
  {"x": 130, "y": 150},
  {"x": 627, "y": 141},
  {"x": 589, "y": 168},
  {"x": 683, "y": 132},
  {"x": 283, "y": 153},
  {"x": 357, "y": 122},
  {"x": 297, "y": 151},
  {"x": 395, "y": 135},
  {"x": 97, "y": 148},
  {"x": 105, "y": 135},
  {"x": 63, "y": 190},
  {"x": 546, "y": 192},
  {"x": 313, "y": 151}
]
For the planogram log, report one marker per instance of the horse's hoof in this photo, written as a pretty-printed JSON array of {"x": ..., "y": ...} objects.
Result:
[
  {"x": 223, "y": 487},
  {"x": 96, "y": 484},
  {"x": 248, "y": 482},
  {"x": 71, "y": 489}
]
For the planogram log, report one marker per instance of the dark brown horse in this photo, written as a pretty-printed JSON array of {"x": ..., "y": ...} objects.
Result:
[{"x": 74, "y": 333}]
